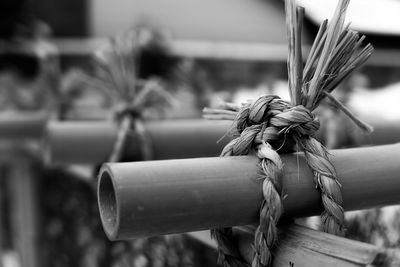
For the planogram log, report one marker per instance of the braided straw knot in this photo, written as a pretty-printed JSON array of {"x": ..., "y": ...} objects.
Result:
[{"x": 271, "y": 122}]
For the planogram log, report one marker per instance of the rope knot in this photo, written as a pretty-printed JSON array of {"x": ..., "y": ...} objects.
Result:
[
  {"x": 267, "y": 118},
  {"x": 124, "y": 110},
  {"x": 270, "y": 124},
  {"x": 296, "y": 120}
]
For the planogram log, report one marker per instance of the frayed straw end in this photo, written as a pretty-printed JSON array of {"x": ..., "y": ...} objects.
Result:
[{"x": 365, "y": 127}]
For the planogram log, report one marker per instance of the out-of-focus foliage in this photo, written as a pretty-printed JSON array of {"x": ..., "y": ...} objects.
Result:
[
  {"x": 73, "y": 235},
  {"x": 29, "y": 76},
  {"x": 376, "y": 226}
]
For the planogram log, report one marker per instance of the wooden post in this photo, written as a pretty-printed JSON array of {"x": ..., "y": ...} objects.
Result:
[
  {"x": 92, "y": 142},
  {"x": 159, "y": 197}
]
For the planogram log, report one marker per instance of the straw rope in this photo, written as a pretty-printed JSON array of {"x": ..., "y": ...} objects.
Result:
[
  {"x": 117, "y": 66},
  {"x": 260, "y": 124},
  {"x": 269, "y": 124},
  {"x": 130, "y": 121}
]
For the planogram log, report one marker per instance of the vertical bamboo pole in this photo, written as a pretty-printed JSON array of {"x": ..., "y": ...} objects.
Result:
[
  {"x": 24, "y": 211},
  {"x": 1, "y": 217}
]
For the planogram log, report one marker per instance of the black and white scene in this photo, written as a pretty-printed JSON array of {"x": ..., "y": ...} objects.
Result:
[{"x": 174, "y": 133}]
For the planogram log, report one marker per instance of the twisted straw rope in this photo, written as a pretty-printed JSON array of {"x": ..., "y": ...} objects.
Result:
[
  {"x": 130, "y": 117},
  {"x": 127, "y": 124},
  {"x": 260, "y": 125}
]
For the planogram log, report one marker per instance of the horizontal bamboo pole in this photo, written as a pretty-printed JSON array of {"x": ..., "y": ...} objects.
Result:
[
  {"x": 213, "y": 50},
  {"x": 22, "y": 125},
  {"x": 385, "y": 132},
  {"x": 300, "y": 246},
  {"x": 303, "y": 247},
  {"x": 92, "y": 142},
  {"x": 160, "y": 197}
]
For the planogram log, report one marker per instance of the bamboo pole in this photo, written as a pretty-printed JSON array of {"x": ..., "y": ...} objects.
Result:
[
  {"x": 24, "y": 209},
  {"x": 160, "y": 197},
  {"x": 2, "y": 213},
  {"x": 92, "y": 142},
  {"x": 300, "y": 246},
  {"x": 22, "y": 125},
  {"x": 385, "y": 132},
  {"x": 213, "y": 50}
]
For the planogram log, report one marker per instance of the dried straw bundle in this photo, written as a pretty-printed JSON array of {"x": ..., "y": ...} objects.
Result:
[
  {"x": 334, "y": 55},
  {"x": 272, "y": 121},
  {"x": 116, "y": 74}
]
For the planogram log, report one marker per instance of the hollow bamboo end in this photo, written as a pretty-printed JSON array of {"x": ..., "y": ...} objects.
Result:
[{"x": 108, "y": 203}]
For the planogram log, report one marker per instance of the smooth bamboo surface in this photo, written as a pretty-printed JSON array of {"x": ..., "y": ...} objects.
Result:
[
  {"x": 92, "y": 142},
  {"x": 385, "y": 132},
  {"x": 24, "y": 211},
  {"x": 22, "y": 125},
  {"x": 173, "y": 196},
  {"x": 2, "y": 211}
]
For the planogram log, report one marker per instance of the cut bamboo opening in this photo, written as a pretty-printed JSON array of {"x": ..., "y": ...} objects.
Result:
[
  {"x": 108, "y": 206},
  {"x": 174, "y": 196}
]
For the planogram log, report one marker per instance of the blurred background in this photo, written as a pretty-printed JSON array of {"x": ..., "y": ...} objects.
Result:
[{"x": 203, "y": 53}]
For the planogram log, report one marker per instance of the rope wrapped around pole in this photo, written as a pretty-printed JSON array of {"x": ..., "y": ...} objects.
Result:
[
  {"x": 117, "y": 71},
  {"x": 263, "y": 123},
  {"x": 151, "y": 198},
  {"x": 266, "y": 125}
]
